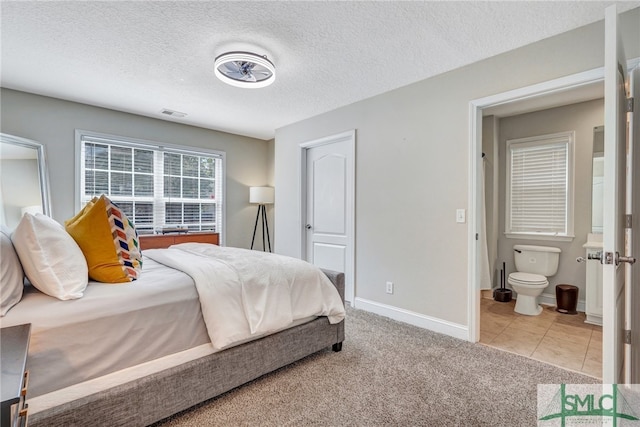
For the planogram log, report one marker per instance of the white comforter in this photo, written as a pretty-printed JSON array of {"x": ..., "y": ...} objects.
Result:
[{"x": 244, "y": 293}]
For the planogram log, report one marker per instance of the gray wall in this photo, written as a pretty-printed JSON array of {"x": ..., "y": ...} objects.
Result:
[
  {"x": 581, "y": 118},
  {"x": 53, "y": 122},
  {"x": 412, "y": 163}
]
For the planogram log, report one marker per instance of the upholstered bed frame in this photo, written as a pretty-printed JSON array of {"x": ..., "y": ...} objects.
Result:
[{"x": 152, "y": 398}]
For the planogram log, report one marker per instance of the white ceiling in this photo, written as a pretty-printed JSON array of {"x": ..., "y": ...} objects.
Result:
[{"x": 142, "y": 57}]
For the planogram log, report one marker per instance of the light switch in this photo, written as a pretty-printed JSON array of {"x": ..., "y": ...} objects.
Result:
[{"x": 461, "y": 216}]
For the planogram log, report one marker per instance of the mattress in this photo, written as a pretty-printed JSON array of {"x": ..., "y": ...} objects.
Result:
[{"x": 112, "y": 327}]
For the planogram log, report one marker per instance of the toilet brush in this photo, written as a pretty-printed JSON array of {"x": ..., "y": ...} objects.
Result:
[{"x": 502, "y": 294}]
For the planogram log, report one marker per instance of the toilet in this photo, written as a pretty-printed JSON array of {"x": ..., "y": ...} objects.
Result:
[{"x": 533, "y": 264}]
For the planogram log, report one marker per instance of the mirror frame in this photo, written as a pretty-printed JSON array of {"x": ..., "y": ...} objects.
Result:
[{"x": 42, "y": 166}]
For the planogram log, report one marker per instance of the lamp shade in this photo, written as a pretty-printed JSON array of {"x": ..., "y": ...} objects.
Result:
[{"x": 261, "y": 195}]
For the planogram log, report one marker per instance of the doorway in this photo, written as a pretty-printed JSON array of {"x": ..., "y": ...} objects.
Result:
[
  {"x": 563, "y": 91},
  {"x": 572, "y": 341},
  {"x": 614, "y": 321}
]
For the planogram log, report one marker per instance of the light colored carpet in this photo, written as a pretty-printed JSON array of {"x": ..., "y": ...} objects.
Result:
[{"x": 388, "y": 374}]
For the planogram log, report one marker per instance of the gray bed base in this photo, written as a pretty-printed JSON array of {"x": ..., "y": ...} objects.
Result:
[{"x": 149, "y": 399}]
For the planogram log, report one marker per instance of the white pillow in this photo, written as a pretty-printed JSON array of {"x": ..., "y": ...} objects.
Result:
[
  {"x": 51, "y": 259},
  {"x": 11, "y": 274}
]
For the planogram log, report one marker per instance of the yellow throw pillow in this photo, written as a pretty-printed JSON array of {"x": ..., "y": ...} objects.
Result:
[{"x": 108, "y": 240}]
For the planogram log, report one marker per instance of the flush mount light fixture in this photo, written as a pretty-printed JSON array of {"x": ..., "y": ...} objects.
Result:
[{"x": 245, "y": 69}]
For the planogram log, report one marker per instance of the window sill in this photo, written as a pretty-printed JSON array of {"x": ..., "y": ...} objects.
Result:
[{"x": 548, "y": 237}]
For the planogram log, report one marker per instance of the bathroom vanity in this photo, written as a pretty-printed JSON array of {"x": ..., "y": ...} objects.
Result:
[
  {"x": 593, "y": 297},
  {"x": 593, "y": 293}
]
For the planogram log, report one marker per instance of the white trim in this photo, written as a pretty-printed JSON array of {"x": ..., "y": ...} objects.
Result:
[
  {"x": 452, "y": 329},
  {"x": 473, "y": 272},
  {"x": 475, "y": 146},
  {"x": 223, "y": 232},
  {"x": 350, "y": 137},
  {"x": 145, "y": 143},
  {"x": 546, "y": 237},
  {"x": 155, "y": 145},
  {"x": 545, "y": 88}
]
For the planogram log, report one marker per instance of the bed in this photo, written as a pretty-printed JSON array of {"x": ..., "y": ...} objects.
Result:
[{"x": 136, "y": 353}]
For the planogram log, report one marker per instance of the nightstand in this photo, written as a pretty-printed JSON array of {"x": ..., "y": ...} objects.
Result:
[{"x": 14, "y": 346}]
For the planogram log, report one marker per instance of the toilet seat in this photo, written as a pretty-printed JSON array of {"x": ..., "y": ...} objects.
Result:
[{"x": 527, "y": 279}]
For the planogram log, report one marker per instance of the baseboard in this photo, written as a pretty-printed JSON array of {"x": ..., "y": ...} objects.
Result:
[
  {"x": 455, "y": 330},
  {"x": 550, "y": 299}
]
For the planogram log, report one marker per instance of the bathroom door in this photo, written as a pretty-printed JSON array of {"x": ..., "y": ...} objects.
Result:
[{"x": 615, "y": 201}]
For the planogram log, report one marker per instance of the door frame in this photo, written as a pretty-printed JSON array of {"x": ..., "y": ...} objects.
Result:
[
  {"x": 350, "y": 138},
  {"x": 476, "y": 108}
]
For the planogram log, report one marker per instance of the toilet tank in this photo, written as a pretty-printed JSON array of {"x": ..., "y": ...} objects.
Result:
[{"x": 536, "y": 259}]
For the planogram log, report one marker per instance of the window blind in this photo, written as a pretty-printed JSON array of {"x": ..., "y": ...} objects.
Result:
[
  {"x": 156, "y": 186},
  {"x": 539, "y": 186}
]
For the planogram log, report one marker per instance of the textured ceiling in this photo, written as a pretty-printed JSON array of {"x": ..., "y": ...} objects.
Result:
[{"x": 142, "y": 57}]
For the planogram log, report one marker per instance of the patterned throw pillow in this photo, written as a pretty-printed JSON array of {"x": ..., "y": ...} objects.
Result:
[{"x": 108, "y": 240}]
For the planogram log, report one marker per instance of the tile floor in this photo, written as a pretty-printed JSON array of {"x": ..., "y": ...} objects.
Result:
[{"x": 559, "y": 339}]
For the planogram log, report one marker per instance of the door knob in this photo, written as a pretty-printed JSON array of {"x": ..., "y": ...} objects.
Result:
[
  {"x": 609, "y": 258},
  {"x": 631, "y": 260},
  {"x": 308, "y": 227}
]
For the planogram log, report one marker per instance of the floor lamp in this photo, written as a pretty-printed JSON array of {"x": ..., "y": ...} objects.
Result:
[{"x": 261, "y": 196}]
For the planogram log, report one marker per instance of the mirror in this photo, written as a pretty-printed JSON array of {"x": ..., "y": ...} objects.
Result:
[
  {"x": 597, "y": 179},
  {"x": 24, "y": 184}
]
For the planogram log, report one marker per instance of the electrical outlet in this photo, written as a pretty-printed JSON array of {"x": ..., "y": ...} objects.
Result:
[{"x": 389, "y": 287}]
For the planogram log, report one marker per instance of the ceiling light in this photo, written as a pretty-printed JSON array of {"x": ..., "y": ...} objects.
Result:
[{"x": 245, "y": 69}]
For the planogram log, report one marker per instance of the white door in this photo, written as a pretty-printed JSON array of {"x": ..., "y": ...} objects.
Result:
[
  {"x": 615, "y": 199},
  {"x": 329, "y": 222},
  {"x": 633, "y": 311}
]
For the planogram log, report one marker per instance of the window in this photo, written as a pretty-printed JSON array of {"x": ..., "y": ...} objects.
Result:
[
  {"x": 157, "y": 186},
  {"x": 539, "y": 200}
]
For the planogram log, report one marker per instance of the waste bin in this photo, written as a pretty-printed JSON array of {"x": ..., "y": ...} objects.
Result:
[{"x": 566, "y": 299}]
